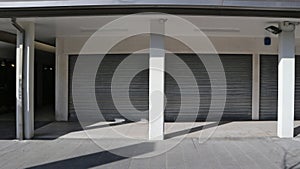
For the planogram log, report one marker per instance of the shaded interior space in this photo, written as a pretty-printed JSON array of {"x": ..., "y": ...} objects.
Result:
[
  {"x": 7, "y": 91},
  {"x": 44, "y": 89}
]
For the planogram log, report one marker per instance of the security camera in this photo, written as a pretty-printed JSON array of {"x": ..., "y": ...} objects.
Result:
[
  {"x": 273, "y": 29},
  {"x": 283, "y": 26}
]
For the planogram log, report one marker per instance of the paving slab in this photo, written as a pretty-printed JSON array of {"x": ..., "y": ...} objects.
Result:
[
  {"x": 189, "y": 153},
  {"x": 139, "y": 130},
  {"x": 251, "y": 145}
]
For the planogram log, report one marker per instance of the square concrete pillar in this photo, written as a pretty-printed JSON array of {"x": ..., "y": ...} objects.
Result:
[
  {"x": 29, "y": 79},
  {"x": 156, "y": 81},
  {"x": 61, "y": 81},
  {"x": 286, "y": 81},
  {"x": 19, "y": 85}
]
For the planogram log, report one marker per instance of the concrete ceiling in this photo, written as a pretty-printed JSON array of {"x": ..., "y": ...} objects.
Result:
[{"x": 50, "y": 27}]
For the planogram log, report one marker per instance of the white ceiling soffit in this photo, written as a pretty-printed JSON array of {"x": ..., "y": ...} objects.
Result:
[
  {"x": 210, "y": 25},
  {"x": 50, "y": 27}
]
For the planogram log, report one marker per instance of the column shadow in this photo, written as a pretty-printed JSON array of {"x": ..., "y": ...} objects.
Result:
[
  {"x": 296, "y": 131},
  {"x": 194, "y": 129},
  {"x": 99, "y": 158},
  {"x": 62, "y": 128}
]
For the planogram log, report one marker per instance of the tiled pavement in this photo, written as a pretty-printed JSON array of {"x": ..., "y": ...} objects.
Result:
[
  {"x": 264, "y": 153},
  {"x": 232, "y": 145}
]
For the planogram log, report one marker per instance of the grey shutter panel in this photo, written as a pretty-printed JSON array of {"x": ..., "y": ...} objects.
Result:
[
  {"x": 297, "y": 88},
  {"x": 72, "y": 113},
  {"x": 138, "y": 89},
  {"x": 238, "y": 70},
  {"x": 268, "y": 87}
]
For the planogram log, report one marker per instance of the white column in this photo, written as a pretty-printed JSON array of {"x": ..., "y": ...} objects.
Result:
[
  {"x": 156, "y": 81},
  {"x": 61, "y": 82},
  {"x": 286, "y": 81},
  {"x": 19, "y": 86},
  {"x": 29, "y": 80},
  {"x": 255, "y": 86}
]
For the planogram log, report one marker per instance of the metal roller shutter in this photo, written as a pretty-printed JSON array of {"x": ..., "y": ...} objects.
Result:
[
  {"x": 72, "y": 113},
  {"x": 268, "y": 87},
  {"x": 238, "y": 70},
  {"x": 297, "y": 88},
  {"x": 138, "y": 89}
]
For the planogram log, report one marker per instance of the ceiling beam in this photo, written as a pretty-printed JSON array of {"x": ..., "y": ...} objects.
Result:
[
  {"x": 11, "y": 38},
  {"x": 130, "y": 9}
]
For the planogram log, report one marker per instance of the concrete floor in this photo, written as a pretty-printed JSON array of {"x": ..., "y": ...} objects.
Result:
[
  {"x": 118, "y": 145},
  {"x": 139, "y": 130},
  {"x": 43, "y": 116},
  {"x": 189, "y": 153}
]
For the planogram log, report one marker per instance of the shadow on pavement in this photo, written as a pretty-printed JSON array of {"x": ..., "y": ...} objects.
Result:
[
  {"x": 100, "y": 158},
  {"x": 296, "y": 131},
  {"x": 194, "y": 129},
  {"x": 58, "y": 129}
]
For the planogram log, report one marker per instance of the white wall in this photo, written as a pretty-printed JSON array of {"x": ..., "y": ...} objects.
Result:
[
  {"x": 73, "y": 45},
  {"x": 223, "y": 45}
]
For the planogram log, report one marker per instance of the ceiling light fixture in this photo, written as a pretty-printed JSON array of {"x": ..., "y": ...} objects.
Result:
[
  {"x": 3, "y": 63},
  {"x": 217, "y": 29},
  {"x": 84, "y": 29}
]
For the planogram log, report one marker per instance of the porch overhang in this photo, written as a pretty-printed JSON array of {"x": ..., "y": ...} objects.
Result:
[{"x": 274, "y": 8}]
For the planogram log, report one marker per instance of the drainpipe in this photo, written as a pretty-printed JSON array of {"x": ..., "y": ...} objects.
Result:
[{"x": 19, "y": 79}]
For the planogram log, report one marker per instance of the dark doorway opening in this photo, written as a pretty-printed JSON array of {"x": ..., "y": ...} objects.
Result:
[
  {"x": 44, "y": 90},
  {"x": 7, "y": 91}
]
